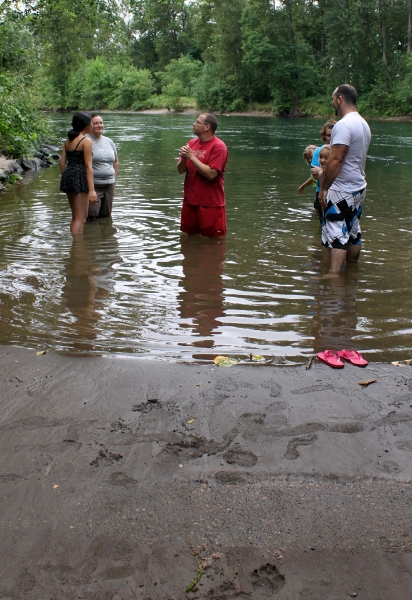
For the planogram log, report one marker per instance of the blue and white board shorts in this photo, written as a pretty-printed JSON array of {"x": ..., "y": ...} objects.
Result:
[{"x": 340, "y": 225}]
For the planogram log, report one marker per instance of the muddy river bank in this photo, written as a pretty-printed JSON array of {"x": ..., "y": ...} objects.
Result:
[{"x": 124, "y": 478}]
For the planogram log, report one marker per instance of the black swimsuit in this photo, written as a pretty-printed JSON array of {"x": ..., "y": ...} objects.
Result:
[{"x": 74, "y": 180}]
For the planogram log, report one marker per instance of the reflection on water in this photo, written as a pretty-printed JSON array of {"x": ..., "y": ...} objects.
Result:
[
  {"x": 136, "y": 285},
  {"x": 334, "y": 319},
  {"x": 201, "y": 297},
  {"x": 87, "y": 281},
  {"x": 79, "y": 294}
]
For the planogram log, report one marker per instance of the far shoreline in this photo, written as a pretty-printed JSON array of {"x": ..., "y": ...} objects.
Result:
[{"x": 250, "y": 113}]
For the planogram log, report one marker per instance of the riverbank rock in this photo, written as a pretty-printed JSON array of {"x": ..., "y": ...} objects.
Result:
[
  {"x": 8, "y": 167},
  {"x": 43, "y": 158},
  {"x": 30, "y": 164}
]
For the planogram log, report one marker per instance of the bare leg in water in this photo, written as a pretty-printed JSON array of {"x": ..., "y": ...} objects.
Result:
[
  {"x": 79, "y": 203},
  {"x": 338, "y": 257}
]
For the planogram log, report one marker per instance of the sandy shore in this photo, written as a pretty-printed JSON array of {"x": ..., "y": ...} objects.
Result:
[{"x": 124, "y": 478}]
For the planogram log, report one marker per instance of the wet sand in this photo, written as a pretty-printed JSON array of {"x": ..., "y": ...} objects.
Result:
[{"x": 122, "y": 478}]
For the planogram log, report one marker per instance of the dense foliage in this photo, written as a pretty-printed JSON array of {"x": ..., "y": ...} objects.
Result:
[
  {"x": 21, "y": 124},
  {"x": 284, "y": 55}
]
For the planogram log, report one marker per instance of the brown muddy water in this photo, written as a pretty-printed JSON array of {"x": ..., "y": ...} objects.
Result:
[{"x": 135, "y": 285}]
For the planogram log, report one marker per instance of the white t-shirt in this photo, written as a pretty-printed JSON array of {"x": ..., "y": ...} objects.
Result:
[
  {"x": 104, "y": 154},
  {"x": 352, "y": 131}
]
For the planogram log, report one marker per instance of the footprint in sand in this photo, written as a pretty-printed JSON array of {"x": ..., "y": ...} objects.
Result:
[
  {"x": 266, "y": 581},
  {"x": 240, "y": 457},
  {"x": 291, "y": 452}
]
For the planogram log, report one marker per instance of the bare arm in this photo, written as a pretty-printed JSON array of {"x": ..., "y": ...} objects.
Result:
[
  {"x": 304, "y": 185},
  {"x": 205, "y": 170},
  {"x": 88, "y": 158},
  {"x": 63, "y": 160},
  {"x": 337, "y": 156},
  {"x": 181, "y": 166},
  {"x": 317, "y": 172},
  {"x": 116, "y": 166}
]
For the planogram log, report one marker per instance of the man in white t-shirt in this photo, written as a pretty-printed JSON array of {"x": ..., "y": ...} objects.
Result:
[{"x": 343, "y": 186}]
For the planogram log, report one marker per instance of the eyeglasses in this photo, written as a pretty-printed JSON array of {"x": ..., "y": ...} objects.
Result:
[{"x": 200, "y": 122}]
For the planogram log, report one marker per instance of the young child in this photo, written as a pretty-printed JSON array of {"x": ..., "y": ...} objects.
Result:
[
  {"x": 307, "y": 157},
  {"x": 323, "y": 159}
]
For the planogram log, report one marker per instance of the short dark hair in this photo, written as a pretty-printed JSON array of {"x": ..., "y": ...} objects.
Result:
[
  {"x": 95, "y": 114},
  {"x": 80, "y": 121},
  {"x": 212, "y": 121},
  {"x": 348, "y": 92}
]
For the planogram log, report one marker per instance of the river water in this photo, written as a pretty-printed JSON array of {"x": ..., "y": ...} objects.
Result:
[{"x": 135, "y": 285}]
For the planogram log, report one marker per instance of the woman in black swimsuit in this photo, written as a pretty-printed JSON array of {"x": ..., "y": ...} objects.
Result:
[{"x": 76, "y": 170}]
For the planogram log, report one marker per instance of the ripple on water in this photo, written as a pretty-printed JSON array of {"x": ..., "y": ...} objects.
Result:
[{"x": 134, "y": 285}]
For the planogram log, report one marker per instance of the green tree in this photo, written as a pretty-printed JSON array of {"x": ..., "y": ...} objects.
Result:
[
  {"x": 179, "y": 79},
  {"x": 280, "y": 62},
  {"x": 22, "y": 127},
  {"x": 18, "y": 50},
  {"x": 258, "y": 50},
  {"x": 161, "y": 32},
  {"x": 21, "y": 124},
  {"x": 94, "y": 84},
  {"x": 222, "y": 53},
  {"x": 210, "y": 90},
  {"x": 133, "y": 90},
  {"x": 403, "y": 89},
  {"x": 70, "y": 32},
  {"x": 87, "y": 53}
]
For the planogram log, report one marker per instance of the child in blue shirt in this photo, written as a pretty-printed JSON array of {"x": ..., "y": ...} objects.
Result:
[{"x": 307, "y": 157}]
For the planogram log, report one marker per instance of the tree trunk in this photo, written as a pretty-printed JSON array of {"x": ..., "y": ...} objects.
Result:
[
  {"x": 295, "y": 93},
  {"x": 383, "y": 28}
]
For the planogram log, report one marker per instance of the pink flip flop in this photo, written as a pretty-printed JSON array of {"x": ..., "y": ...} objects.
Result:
[
  {"x": 353, "y": 356},
  {"x": 331, "y": 358}
]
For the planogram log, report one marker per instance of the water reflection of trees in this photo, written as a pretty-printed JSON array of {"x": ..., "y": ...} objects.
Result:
[
  {"x": 88, "y": 281},
  {"x": 201, "y": 296}
]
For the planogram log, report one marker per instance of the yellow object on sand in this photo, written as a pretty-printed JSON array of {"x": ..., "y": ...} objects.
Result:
[{"x": 225, "y": 361}]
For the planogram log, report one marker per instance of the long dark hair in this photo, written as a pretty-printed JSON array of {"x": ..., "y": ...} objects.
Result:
[{"x": 80, "y": 121}]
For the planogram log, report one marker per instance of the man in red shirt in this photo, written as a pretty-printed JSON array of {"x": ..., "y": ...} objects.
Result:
[{"x": 203, "y": 160}]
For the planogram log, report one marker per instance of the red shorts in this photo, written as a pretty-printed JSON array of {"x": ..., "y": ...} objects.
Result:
[{"x": 209, "y": 221}]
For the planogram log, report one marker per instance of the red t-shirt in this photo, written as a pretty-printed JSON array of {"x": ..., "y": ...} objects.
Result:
[{"x": 197, "y": 189}]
